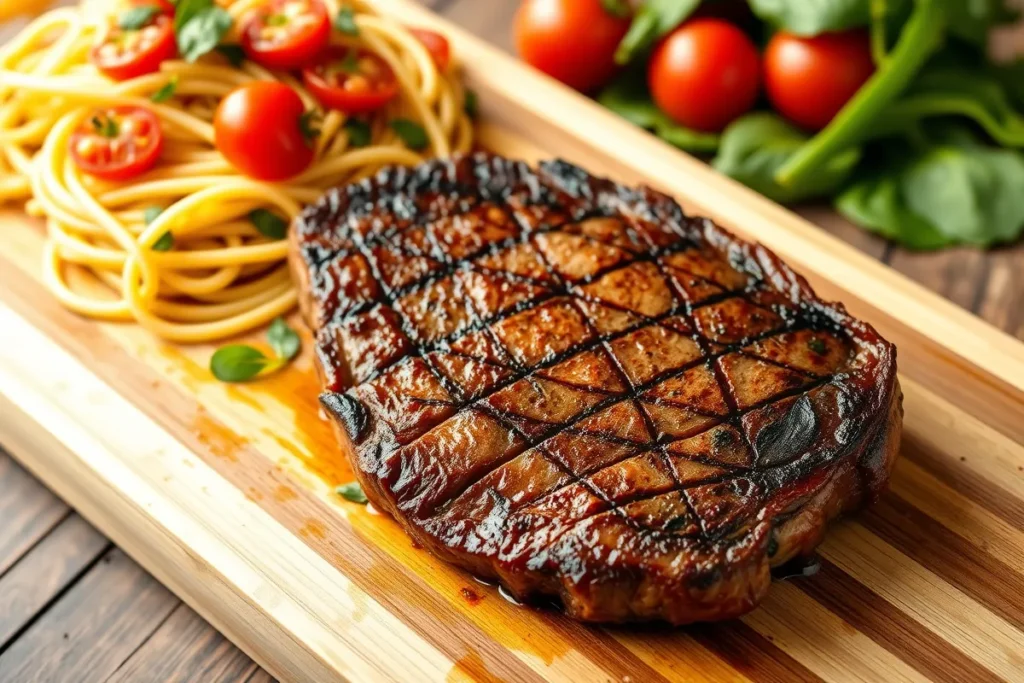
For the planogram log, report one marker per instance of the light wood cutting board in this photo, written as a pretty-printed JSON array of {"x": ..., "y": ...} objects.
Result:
[{"x": 225, "y": 492}]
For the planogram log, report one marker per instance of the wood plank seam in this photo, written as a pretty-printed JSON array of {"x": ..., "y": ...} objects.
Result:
[
  {"x": 60, "y": 520},
  {"x": 54, "y": 599},
  {"x": 145, "y": 640}
]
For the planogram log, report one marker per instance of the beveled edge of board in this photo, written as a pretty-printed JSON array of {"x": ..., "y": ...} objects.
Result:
[
  {"x": 135, "y": 482},
  {"x": 538, "y": 108}
]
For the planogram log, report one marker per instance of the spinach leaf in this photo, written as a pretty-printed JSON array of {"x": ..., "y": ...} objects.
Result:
[
  {"x": 971, "y": 20},
  {"x": 199, "y": 25},
  {"x": 653, "y": 19},
  {"x": 811, "y": 17},
  {"x": 1011, "y": 77},
  {"x": 283, "y": 339},
  {"x": 755, "y": 146},
  {"x": 950, "y": 190},
  {"x": 627, "y": 96},
  {"x": 956, "y": 91}
]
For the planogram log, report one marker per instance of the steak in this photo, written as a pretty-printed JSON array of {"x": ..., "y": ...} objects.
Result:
[{"x": 571, "y": 387}]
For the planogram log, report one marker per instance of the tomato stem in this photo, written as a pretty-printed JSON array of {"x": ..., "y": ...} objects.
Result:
[{"x": 920, "y": 38}]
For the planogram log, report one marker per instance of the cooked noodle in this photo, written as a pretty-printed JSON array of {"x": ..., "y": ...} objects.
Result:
[{"x": 223, "y": 276}]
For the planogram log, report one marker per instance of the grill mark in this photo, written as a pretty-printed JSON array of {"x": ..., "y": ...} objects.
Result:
[
  {"x": 890, "y": 628},
  {"x": 952, "y": 557}
]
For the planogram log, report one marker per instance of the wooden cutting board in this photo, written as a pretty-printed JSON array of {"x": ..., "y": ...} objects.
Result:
[{"x": 225, "y": 493}]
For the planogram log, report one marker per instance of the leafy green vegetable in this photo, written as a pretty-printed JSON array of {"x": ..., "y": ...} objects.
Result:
[
  {"x": 165, "y": 243},
  {"x": 345, "y": 21},
  {"x": 269, "y": 224},
  {"x": 972, "y": 19},
  {"x": 653, "y": 19},
  {"x": 352, "y": 492},
  {"x": 135, "y": 18},
  {"x": 1011, "y": 77},
  {"x": 811, "y": 17},
  {"x": 921, "y": 36},
  {"x": 240, "y": 362},
  {"x": 150, "y": 213},
  {"x": 233, "y": 53},
  {"x": 198, "y": 26},
  {"x": 627, "y": 96},
  {"x": 166, "y": 91},
  {"x": 755, "y": 146},
  {"x": 411, "y": 133},
  {"x": 359, "y": 132},
  {"x": 956, "y": 91},
  {"x": 105, "y": 126},
  {"x": 283, "y": 339},
  {"x": 950, "y": 190}
]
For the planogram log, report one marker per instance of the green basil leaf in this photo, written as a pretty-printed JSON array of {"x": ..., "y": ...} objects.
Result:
[
  {"x": 239, "y": 362},
  {"x": 167, "y": 91},
  {"x": 135, "y": 18},
  {"x": 201, "y": 31},
  {"x": 105, "y": 126},
  {"x": 411, "y": 133},
  {"x": 358, "y": 131},
  {"x": 345, "y": 21},
  {"x": 309, "y": 126},
  {"x": 755, "y": 146},
  {"x": 269, "y": 224},
  {"x": 352, "y": 492},
  {"x": 150, "y": 213},
  {"x": 616, "y": 8},
  {"x": 627, "y": 96},
  {"x": 233, "y": 53},
  {"x": 471, "y": 104},
  {"x": 654, "y": 19},
  {"x": 165, "y": 243},
  {"x": 284, "y": 340}
]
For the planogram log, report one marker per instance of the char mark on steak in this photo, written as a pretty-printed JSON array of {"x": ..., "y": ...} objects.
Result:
[{"x": 570, "y": 386}]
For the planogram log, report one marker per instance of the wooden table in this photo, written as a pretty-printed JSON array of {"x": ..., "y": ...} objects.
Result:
[{"x": 75, "y": 608}]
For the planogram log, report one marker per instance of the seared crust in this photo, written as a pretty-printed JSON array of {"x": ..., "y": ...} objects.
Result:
[{"x": 571, "y": 387}]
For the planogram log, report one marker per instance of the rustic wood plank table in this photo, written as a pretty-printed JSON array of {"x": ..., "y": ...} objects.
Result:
[{"x": 75, "y": 608}]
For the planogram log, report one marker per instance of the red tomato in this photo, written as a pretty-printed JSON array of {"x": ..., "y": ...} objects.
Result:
[
  {"x": 117, "y": 143},
  {"x": 124, "y": 53},
  {"x": 351, "y": 80},
  {"x": 810, "y": 79},
  {"x": 437, "y": 46},
  {"x": 704, "y": 74},
  {"x": 571, "y": 40},
  {"x": 286, "y": 34},
  {"x": 258, "y": 128}
]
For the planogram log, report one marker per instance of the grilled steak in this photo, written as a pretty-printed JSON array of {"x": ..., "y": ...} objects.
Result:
[{"x": 571, "y": 387}]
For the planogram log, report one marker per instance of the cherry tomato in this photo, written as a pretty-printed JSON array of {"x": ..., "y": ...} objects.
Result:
[
  {"x": 704, "y": 74},
  {"x": 124, "y": 53},
  {"x": 259, "y": 128},
  {"x": 286, "y": 34},
  {"x": 352, "y": 80},
  {"x": 117, "y": 143},
  {"x": 808, "y": 80},
  {"x": 437, "y": 46},
  {"x": 571, "y": 40}
]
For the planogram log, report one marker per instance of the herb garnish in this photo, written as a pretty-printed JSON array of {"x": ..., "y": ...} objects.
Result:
[
  {"x": 352, "y": 492},
  {"x": 359, "y": 133},
  {"x": 471, "y": 104},
  {"x": 135, "y": 18},
  {"x": 309, "y": 126},
  {"x": 166, "y": 241},
  {"x": 105, "y": 125},
  {"x": 816, "y": 345},
  {"x": 345, "y": 21},
  {"x": 241, "y": 362},
  {"x": 165, "y": 93},
  {"x": 198, "y": 26},
  {"x": 232, "y": 52},
  {"x": 269, "y": 224},
  {"x": 411, "y": 133}
]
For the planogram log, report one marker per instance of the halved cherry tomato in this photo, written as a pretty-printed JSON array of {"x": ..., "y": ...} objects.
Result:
[
  {"x": 259, "y": 127},
  {"x": 124, "y": 53},
  {"x": 286, "y": 34},
  {"x": 117, "y": 143},
  {"x": 351, "y": 80},
  {"x": 437, "y": 46}
]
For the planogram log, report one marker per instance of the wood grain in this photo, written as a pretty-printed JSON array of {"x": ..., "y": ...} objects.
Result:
[
  {"x": 27, "y": 509},
  {"x": 225, "y": 492}
]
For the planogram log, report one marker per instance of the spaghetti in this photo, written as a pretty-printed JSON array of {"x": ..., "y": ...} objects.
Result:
[{"x": 223, "y": 275}]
